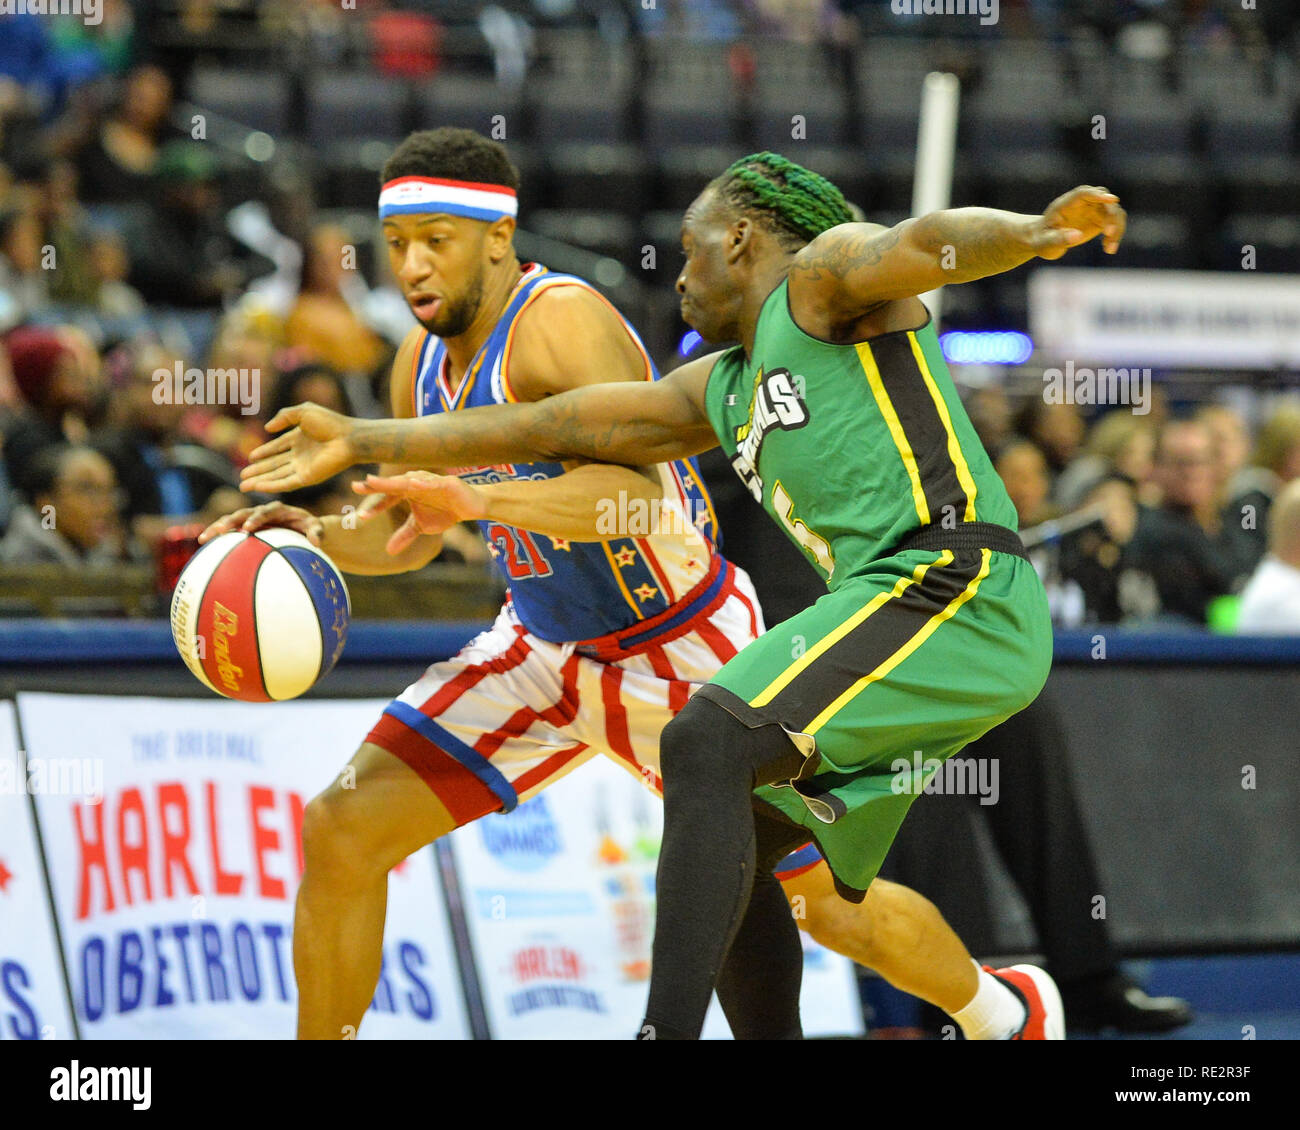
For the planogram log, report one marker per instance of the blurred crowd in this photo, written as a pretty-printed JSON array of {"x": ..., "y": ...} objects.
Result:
[
  {"x": 1186, "y": 517},
  {"x": 120, "y": 266}
]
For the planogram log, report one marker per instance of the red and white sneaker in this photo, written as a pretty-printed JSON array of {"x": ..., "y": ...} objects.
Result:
[{"x": 1045, "y": 1015}]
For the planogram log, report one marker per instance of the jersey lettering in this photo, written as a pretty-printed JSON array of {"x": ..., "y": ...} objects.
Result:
[{"x": 776, "y": 404}]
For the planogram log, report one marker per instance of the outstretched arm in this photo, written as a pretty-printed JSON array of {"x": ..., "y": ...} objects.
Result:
[
  {"x": 630, "y": 423},
  {"x": 854, "y": 268},
  {"x": 576, "y": 506}
]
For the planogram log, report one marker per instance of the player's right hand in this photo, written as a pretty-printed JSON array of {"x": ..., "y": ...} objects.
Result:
[
  {"x": 316, "y": 447},
  {"x": 252, "y": 518},
  {"x": 1076, "y": 217}
]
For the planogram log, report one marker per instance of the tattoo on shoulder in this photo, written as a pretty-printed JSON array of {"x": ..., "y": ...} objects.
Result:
[{"x": 848, "y": 253}]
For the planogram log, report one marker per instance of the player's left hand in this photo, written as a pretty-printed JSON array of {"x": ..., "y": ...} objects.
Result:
[
  {"x": 437, "y": 503},
  {"x": 1076, "y": 217}
]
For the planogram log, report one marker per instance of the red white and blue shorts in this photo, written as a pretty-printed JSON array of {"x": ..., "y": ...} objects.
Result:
[{"x": 512, "y": 713}]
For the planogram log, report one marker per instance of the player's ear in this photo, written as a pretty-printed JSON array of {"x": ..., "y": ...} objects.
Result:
[
  {"x": 500, "y": 237},
  {"x": 738, "y": 238}
]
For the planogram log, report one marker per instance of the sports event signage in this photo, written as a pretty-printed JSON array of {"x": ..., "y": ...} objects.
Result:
[
  {"x": 174, "y": 851},
  {"x": 175, "y": 892},
  {"x": 1238, "y": 319},
  {"x": 33, "y": 999},
  {"x": 560, "y": 900}
]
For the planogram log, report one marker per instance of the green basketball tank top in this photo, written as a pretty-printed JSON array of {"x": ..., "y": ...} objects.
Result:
[{"x": 851, "y": 447}]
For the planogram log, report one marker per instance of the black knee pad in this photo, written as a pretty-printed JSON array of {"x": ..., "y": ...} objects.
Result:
[{"x": 704, "y": 732}]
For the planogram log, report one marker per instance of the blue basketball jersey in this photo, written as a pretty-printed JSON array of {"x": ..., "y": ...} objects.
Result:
[{"x": 566, "y": 591}]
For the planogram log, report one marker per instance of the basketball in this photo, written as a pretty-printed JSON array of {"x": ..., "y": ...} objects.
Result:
[{"x": 260, "y": 617}]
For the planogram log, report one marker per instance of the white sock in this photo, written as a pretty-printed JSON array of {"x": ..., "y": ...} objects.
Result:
[{"x": 994, "y": 1013}]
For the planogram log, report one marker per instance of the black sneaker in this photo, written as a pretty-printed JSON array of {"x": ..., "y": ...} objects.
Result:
[{"x": 1113, "y": 1001}]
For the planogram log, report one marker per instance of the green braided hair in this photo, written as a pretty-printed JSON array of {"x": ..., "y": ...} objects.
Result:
[{"x": 793, "y": 202}]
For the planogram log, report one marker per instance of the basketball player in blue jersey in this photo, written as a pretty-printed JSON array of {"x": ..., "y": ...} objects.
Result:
[{"x": 601, "y": 643}]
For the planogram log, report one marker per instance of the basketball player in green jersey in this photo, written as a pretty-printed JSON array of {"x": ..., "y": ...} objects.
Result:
[{"x": 839, "y": 414}]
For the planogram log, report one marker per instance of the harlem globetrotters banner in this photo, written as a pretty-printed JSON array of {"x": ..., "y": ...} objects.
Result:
[
  {"x": 33, "y": 997},
  {"x": 174, "y": 886},
  {"x": 560, "y": 900}
]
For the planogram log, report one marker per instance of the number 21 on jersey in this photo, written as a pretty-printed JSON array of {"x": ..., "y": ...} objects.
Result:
[{"x": 519, "y": 553}]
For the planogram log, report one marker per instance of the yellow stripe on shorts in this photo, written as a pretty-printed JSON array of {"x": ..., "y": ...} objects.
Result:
[
  {"x": 903, "y": 652},
  {"x": 786, "y": 677}
]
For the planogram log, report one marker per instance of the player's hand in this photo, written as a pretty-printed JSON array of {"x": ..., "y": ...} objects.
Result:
[
  {"x": 1080, "y": 215},
  {"x": 316, "y": 447},
  {"x": 253, "y": 518},
  {"x": 437, "y": 503}
]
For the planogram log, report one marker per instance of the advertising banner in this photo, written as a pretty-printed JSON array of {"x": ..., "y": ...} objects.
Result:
[
  {"x": 560, "y": 900},
  {"x": 1165, "y": 318},
  {"x": 176, "y": 868},
  {"x": 33, "y": 997}
]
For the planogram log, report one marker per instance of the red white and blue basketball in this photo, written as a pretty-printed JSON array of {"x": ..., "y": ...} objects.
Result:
[{"x": 260, "y": 617}]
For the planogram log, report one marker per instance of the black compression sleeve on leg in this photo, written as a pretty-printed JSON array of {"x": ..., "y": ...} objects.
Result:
[
  {"x": 758, "y": 987},
  {"x": 710, "y": 765}
]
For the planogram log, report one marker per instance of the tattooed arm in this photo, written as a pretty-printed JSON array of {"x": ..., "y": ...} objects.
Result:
[
  {"x": 854, "y": 268},
  {"x": 630, "y": 423}
]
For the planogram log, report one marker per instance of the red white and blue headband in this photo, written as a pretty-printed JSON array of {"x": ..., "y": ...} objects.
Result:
[{"x": 487, "y": 202}]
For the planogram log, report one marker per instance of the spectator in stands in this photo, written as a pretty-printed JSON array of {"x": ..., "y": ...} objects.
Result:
[
  {"x": 1119, "y": 444},
  {"x": 24, "y": 286},
  {"x": 1270, "y": 602},
  {"x": 119, "y": 162},
  {"x": 57, "y": 371},
  {"x": 1275, "y": 462},
  {"x": 312, "y": 382},
  {"x": 110, "y": 42},
  {"x": 67, "y": 235},
  {"x": 1023, "y": 469},
  {"x": 167, "y": 480},
  {"x": 114, "y": 298},
  {"x": 324, "y": 320},
  {"x": 1084, "y": 569},
  {"x": 1183, "y": 543},
  {"x": 247, "y": 339},
  {"x": 71, "y": 516},
  {"x": 1097, "y": 558},
  {"x": 989, "y": 409},
  {"x": 1056, "y": 429},
  {"x": 181, "y": 254},
  {"x": 30, "y": 58},
  {"x": 1230, "y": 442}
]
